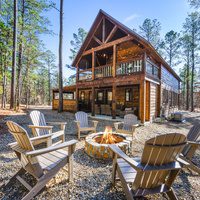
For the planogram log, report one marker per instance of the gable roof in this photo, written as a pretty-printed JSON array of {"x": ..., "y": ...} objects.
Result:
[{"x": 139, "y": 38}]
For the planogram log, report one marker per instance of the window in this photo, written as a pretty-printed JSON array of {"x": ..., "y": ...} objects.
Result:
[
  {"x": 100, "y": 96},
  {"x": 56, "y": 95},
  {"x": 128, "y": 95},
  {"x": 82, "y": 96},
  {"x": 109, "y": 97},
  {"x": 68, "y": 96}
]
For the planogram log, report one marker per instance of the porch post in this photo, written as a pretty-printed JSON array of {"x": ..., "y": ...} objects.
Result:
[
  {"x": 114, "y": 101},
  {"x": 77, "y": 99},
  {"x": 114, "y": 60},
  {"x": 93, "y": 64},
  {"x": 142, "y": 107},
  {"x": 93, "y": 101}
]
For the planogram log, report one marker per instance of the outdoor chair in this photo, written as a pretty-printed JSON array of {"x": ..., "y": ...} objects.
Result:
[
  {"x": 83, "y": 123},
  {"x": 42, "y": 164},
  {"x": 191, "y": 147},
  {"x": 155, "y": 172},
  {"x": 128, "y": 126},
  {"x": 40, "y": 127}
]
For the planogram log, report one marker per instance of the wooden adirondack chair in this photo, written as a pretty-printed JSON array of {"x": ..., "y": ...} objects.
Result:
[
  {"x": 128, "y": 126},
  {"x": 155, "y": 172},
  {"x": 83, "y": 124},
  {"x": 190, "y": 149},
  {"x": 43, "y": 164},
  {"x": 40, "y": 127}
]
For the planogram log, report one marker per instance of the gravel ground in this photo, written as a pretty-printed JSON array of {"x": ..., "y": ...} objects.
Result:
[{"x": 92, "y": 178}]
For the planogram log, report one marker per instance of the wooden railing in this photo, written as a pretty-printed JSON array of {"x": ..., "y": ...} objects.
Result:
[
  {"x": 103, "y": 71},
  {"x": 85, "y": 75},
  {"x": 122, "y": 68},
  {"x": 129, "y": 67}
]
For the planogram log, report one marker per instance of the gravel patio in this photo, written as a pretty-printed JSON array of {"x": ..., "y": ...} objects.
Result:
[{"x": 92, "y": 178}]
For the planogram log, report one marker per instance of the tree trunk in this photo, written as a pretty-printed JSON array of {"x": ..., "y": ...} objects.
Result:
[
  {"x": 19, "y": 83},
  {"x": 60, "y": 109},
  {"x": 192, "y": 74},
  {"x": 187, "y": 81},
  {"x": 49, "y": 83},
  {"x": 12, "y": 95}
]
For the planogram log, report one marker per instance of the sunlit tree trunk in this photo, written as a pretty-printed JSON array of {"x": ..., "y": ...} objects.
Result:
[
  {"x": 12, "y": 95},
  {"x": 60, "y": 109}
]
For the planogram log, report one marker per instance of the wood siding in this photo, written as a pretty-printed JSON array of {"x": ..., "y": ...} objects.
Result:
[{"x": 68, "y": 105}]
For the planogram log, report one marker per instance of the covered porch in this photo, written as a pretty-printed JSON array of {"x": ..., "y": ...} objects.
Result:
[{"x": 114, "y": 100}]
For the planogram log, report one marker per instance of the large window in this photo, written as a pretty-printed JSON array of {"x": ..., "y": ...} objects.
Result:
[
  {"x": 152, "y": 69},
  {"x": 68, "y": 96}
]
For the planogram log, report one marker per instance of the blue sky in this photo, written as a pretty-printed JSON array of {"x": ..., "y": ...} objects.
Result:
[{"x": 81, "y": 13}]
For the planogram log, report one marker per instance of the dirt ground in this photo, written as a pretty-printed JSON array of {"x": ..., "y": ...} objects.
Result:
[{"x": 92, "y": 178}]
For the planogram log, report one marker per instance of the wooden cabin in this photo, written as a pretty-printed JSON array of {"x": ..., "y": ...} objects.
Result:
[{"x": 119, "y": 72}]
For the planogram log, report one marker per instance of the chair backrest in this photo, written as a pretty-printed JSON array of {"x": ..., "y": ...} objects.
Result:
[
  {"x": 82, "y": 117},
  {"x": 32, "y": 165},
  {"x": 38, "y": 119},
  {"x": 129, "y": 121},
  {"x": 20, "y": 135},
  {"x": 192, "y": 135},
  {"x": 158, "y": 151}
]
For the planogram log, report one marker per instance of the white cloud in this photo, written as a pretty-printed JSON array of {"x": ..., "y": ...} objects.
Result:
[{"x": 130, "y": 18}]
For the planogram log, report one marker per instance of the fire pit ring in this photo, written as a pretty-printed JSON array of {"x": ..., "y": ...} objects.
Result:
[{"x": 102, "y": 151}]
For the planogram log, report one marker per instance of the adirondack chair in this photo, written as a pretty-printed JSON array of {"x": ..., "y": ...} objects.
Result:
[
  {"x": 43, "y": 164},
  {"x": 128, "y": 126},
  {"x": 40, "y": 127},
  {"x": 155, "y": 172},
  {"x": 190, "y": 149},
  {"x": 83, "y": 124}
]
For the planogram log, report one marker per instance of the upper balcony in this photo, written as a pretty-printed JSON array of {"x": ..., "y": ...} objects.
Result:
[{"x": 126, "y": 59}]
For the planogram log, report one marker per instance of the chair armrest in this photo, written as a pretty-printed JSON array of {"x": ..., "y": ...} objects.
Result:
[
  {"x": 41, "y": 137},
  {"x": 116, "y": 125},
  {"x": 122, "y": 155},
  {"x": 95, "y": 123},
  {"x": 57, "y": 123},
  {"x": 78, "y": 123},
  {"x": 51, "y": 148},
  {"x": 197, "y": 144},
  {"x": 40, "y": 127},
  {"x": 62, "y": 124}
]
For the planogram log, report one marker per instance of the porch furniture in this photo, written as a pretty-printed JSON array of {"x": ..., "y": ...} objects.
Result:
[
  {"x": 42, "y": 164},
  {"x": 128, "y": 126},
  {"x": 97, "y": 109},
  {"x": 155, "y": 172},
  {"x": 40, "y": 127},
  {"x": 190, "y": 149},
  {"x": 83, "y": 123}
]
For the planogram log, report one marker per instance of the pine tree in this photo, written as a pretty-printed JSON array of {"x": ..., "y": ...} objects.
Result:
[
  {"x": 171, "y": 46},
  {"x": 150, "y": 30},
  {"x": 77, "y": 42}
]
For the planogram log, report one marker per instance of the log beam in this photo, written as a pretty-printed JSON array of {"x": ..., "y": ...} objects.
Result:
[
  {"x": 104, "y": 30},
  {"x": 93, "y": 101},
  {"x": 114, "y": 60},
  {"x": 97, "y": 40},
  {"x": 109, "y": 44},
  {"x": 142, "y": 107},
  {"x": 93, "y": 64},
  {"x": 111, "y": 33}
]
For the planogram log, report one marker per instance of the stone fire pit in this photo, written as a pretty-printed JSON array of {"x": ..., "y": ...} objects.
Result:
[{"x": 101, "y": 151}]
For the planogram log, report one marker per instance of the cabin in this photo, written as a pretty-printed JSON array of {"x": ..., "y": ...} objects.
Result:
[{"x": 119, "y": 72}]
